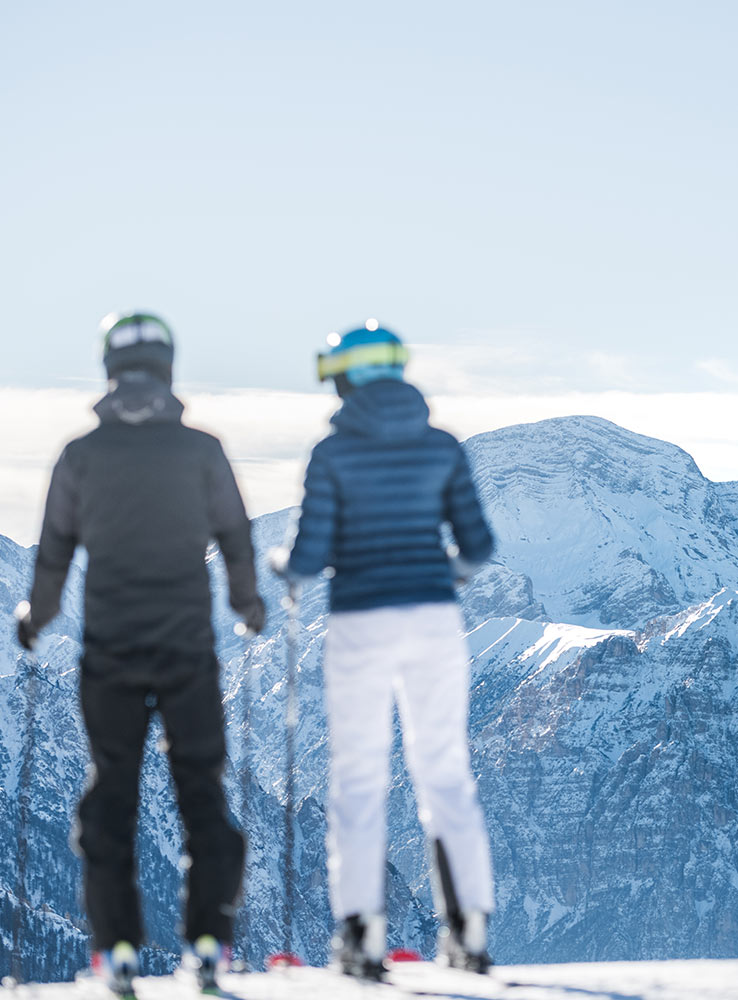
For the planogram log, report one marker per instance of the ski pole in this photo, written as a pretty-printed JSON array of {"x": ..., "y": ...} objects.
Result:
[
  {"x": 244, "y": 632},
  {"x": 24, "y": 799},
  {"x": 292, "y": 607}
]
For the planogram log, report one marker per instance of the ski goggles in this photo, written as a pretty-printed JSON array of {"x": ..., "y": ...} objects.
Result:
[
  {"x": 388, "y": 354},
  {"x": 136, "y": 330}
]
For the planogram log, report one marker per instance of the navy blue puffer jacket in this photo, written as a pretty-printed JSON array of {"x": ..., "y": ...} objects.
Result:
[{"x": 377, "y": 491}]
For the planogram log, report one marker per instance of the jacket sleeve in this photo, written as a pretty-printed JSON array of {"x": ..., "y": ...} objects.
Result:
[
  {"x": 231, "y": 529},
  {"x": 59, "y": 538},
  {"x": 312, "y": 549},
  {"x": 464, "y": 513}
]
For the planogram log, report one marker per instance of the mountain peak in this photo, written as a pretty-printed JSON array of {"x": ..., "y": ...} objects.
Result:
[
  {"x": 612, "y": 527},
  {"x": 558, "y": 439}
]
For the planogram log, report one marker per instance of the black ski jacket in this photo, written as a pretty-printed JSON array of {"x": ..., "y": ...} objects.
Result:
[{"x": 144, "y": 495}]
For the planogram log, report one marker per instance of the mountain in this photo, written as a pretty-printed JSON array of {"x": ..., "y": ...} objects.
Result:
[
  {"x": 608, "y": 760},
  {"x": 612, "y": 527},
  {"x": 602, "y": 725}
]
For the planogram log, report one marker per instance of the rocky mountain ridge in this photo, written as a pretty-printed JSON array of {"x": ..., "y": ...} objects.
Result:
[{"x": 602, "y": 726}]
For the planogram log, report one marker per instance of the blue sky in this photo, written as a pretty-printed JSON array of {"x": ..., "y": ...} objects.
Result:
[{"x": 551, "y": 181}]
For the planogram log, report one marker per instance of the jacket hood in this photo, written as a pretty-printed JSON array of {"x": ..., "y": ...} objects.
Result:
[
  {"x": 138, "y": 398},
  {"x": 384, "y": 409}
]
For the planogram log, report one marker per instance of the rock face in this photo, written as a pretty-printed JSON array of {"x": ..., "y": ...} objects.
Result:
[
  {"x": 603, "y": 727},
  {"x": 608, "y": 762}
]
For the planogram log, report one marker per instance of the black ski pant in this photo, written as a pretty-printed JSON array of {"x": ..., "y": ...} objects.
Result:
[{"x": 118, "y": 695}]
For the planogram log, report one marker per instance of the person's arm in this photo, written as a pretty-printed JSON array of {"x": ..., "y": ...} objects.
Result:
[
  {"x": 59, "y": 538},
  {"x": 312, "y": 549},
  {"x": 232, "y": 531},
  {"x": 464, "y": 513}
]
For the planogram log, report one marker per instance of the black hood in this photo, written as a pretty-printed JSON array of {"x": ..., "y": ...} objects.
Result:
[
  {"x": 386, "y": 409},
  {"x": 137, "y": 398}
]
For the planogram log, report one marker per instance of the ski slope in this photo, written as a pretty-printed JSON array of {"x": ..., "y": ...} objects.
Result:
[{"x": 675, "y": 980}]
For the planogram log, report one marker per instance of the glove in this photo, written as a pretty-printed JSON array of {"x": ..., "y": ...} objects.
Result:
[
  {"x": 254, "y": 615},
  {"x": 26, "y": 630},
  {"x": 278, "y": 559},
  {"x": 461, "y": 569}
]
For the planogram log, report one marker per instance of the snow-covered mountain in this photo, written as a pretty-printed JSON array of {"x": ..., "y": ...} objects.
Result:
[
  {"x": 603, "y": 726},
  {"x": 612, "y": 527}
]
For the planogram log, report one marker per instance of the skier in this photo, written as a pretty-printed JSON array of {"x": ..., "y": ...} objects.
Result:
[
  {"x": 377, "y": 492},
  {"x": 144, "y": 494}
]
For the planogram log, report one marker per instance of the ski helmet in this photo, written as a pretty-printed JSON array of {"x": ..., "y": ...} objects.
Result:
[
  {"x": 361, "y": 356},
  {"x": 137, "y": 341}
]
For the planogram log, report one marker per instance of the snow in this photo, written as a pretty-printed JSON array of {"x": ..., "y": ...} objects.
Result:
[
  {"x": 676, "y": 980},
  {"x": 702, "y": 615},
  {"x": 562, "y": 643}
]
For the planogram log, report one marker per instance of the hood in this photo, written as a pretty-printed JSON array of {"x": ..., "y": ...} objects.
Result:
[
  {"x": 385, "y": 409},
  {"x": 138, "y": 398}
]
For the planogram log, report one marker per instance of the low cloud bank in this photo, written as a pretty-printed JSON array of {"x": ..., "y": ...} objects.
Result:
[{"x": 268, "y": 434}]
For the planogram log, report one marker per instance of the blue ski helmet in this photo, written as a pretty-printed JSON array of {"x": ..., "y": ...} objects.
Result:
[
  {"x": 362, "y": 356},
  {"x": 137, "y": 341}
]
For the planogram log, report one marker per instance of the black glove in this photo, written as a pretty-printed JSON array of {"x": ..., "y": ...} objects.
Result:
[
  {"x": 27, "y": 632},
  {"x": 254, "y": 615}
]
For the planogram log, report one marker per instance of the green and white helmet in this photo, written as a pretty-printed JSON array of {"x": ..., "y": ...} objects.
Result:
[{"x": 137, "y": 341}]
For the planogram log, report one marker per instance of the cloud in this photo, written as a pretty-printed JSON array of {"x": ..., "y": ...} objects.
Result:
[
  {"x": 261, "y": 423},
  {"x": 718, "y": 369},
  {"x": 268, "y": 434},
  {"x": 470, "y": 368},
  {"x": 615, "y": 369},
  {"x": 517, "y": 361}
]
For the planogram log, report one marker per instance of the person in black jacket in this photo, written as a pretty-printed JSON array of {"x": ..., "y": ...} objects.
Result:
[
  {"x": 379, "y": 491},
  {"x": 144, "y": 495}
]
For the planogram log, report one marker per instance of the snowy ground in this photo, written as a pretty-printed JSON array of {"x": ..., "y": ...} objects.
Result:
[{"x": 695, "y": 980}]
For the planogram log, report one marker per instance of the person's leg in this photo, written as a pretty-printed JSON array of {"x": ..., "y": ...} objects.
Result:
[
  {"x": 189, "y": 700},
  {"x": 358, "y": 694},
  {"x": 116, "y": 717},
  {"x": 433, "y": 698}
]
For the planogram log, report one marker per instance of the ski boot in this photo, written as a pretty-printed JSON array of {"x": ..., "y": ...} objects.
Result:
[
  {"x": 209, "y": 956},
  {"x": 117, "y": 967},
  {"x": 462, "y": 942},
  {"x": 359, "y": 945}
]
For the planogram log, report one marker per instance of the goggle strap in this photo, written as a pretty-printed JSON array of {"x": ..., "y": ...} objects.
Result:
[{"x": 330, "y": 365}]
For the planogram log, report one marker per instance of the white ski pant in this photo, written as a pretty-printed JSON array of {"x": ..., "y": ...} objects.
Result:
[{"x": 415, "y": 654}]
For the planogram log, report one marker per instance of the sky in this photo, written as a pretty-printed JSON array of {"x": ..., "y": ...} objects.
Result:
[{"x": 538, "y": 196}]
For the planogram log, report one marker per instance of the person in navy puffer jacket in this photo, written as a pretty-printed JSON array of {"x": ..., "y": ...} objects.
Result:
[{"x": 377, "y": 492}]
